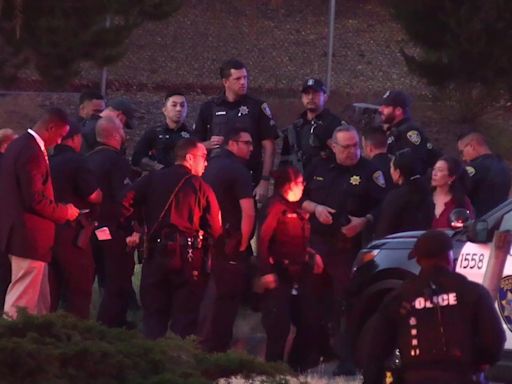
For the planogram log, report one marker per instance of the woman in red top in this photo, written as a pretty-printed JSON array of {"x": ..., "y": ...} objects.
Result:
[{"x": 449, "y": 181}]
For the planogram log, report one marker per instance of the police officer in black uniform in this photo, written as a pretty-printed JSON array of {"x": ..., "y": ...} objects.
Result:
[
  {"x": 288, "y": 266},
  {"x": 489, "y": 175},
  {"x": 445, "y": 326},
  {"x": 230, "y": 179},
  {"x": 403, "y": 132},
  {"x": 155, "y": 149},
  {"x": 120, "y": 109},
  {"x": 71, "y": 270},
  {"x": 309, "y": 136},
  {"x": 234, "y": 108},
  {"x": 180, "y": 212},
  {"x": 114, "y": 265},
  {"x": 343, "y": 197},
  {"x": 375, "y": 146}
]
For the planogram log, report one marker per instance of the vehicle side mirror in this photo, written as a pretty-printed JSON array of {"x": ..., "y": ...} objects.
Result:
[
  {"x": 459, "y": 217},
  {"x": 478, "y": 232}
]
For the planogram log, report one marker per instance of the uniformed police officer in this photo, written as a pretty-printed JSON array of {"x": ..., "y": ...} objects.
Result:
[
  {"x": 288, "y": 266},
  {"x": 445, "y": 326},
  {"x": 114, "y": 265},
  {"x": 309, "y": 136},
  {"x": 72, "y": 266},
  {"x": 120, "y": 109},
  {"x": 343, "y": 197},
  {"x": 235, "y": 108},
  {"x": 179, "y": 209},
  {"x": 375, "y": 146},
  {"x": 230, "y": 179},
  {"x": 489, "y": 175},
  {"x": 155, "y": 149},
  {"x": 403, "y": 132}
]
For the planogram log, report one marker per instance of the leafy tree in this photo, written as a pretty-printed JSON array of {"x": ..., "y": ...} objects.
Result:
[
  {"x": 55, "y": 36},
  {"x": 461, "y": 41}
]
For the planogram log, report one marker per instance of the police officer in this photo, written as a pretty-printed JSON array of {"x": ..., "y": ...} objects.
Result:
[
  {"x": 231, "y": 181},
  {"x": 235, "y": 108},
  {"x": 155, "y": 149},
  {"x": 445, "y": 326},
  {"x": 287, "y": 266},
  {"x": 178, "y": 209},
  {"x": 309, "y": 136},
  {"x": 114, "y": 265},
  {"x": 489, "y": 175},
  {"x": 375, "y": 146},
  {"x": 342, "y": 197},
  {"x": 120, "y": 109},
  {"x": 403, "y": 132},
  {"x": 72, "y": 266}
]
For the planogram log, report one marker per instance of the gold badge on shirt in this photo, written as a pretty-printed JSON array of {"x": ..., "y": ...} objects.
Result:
[{"x": 355, "y": 180}]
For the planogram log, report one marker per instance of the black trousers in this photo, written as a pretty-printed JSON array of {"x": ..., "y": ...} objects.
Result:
[
  {"x": 227, "y": 287},
  {"x": 71, "y": 273},
  {"x": 115, "y": 268},
  {"x": 5, "y": 277},
  {"x": 338, "y": 260},
  {"x": 282, "y": 307},
  {"x": 170, "y": 298}
]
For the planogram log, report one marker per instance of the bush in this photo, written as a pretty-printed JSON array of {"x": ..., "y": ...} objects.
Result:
[{"x": 61, "y": 349}]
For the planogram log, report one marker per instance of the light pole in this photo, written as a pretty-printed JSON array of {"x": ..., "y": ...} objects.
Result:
[{"x": 332, "y": 11}]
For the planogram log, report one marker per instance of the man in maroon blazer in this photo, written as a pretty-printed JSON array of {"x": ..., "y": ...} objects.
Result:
[{"x": 29, "y": 213}]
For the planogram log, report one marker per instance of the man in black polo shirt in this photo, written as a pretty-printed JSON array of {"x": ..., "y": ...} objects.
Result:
[
  {"x": 155, "y": 149},
  {"x": 234, "y": 108},
  {"x": 231, "y": 182},
  {"x": 72, "y": 266},
  {"x": 309, "y": 137},
  {"x": 114, "y": 264}
]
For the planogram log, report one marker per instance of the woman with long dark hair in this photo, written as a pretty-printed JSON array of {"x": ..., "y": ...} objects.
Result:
[
  {"x": 449, "y": 183},
  {"x": 408, "y": 207},
  {"x": 287, "y": 267}
]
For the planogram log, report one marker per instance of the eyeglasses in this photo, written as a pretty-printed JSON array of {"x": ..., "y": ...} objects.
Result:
[
  {"x": 346, "y": 146},
  {"x": 249, "y": 143}
]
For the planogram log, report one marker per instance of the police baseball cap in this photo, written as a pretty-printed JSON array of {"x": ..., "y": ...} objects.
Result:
[
  {"x": 123, "y": 105},
  {"x": 433, "y": 244},
  {"x": 396, "y": 99},
  {"x": 315, "y": 84},
  {"x": 74, "y": 129}
]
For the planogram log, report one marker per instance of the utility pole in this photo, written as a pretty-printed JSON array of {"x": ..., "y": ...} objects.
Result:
[{"x": 332, "y": 12}]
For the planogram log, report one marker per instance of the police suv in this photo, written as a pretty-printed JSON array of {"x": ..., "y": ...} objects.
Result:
[{"x": 384, "y": 264}]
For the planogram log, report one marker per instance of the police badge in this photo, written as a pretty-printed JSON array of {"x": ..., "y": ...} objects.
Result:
[
  {"x": 505, "y": 301},
  {"x": 414, "y": 137}
]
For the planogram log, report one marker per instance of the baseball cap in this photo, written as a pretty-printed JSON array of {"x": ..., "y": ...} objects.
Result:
[
  {"x": 123, "y": 105},
  {"x": 433, "y": 244},
  {"x": 74, "y": 129},
  {"x": 396, "y": 99},
  {"x": 315, "y": 84}
]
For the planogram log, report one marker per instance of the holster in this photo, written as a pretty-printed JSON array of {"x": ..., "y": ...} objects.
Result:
[
  {"x": 179, "y": 251},
  {"x": 86, "y": 225}
]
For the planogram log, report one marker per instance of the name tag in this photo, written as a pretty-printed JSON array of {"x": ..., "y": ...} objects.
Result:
[{"x": 220, "y": 113}]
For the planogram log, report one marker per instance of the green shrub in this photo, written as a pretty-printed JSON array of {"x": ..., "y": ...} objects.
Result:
[{"x": 61, "y": 349}]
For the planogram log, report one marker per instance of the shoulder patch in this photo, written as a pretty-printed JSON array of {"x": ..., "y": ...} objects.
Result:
[
  {"x": 378, "y": 178},
  {"x": 185, "y": 134},
  {"x": 266, "y": 110},
  {"x": 414, "y": 137},
  {"x": 391, "y": 139},
  {"x": 505, "y": 300},
  {"x": 470, "y": 170}
]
